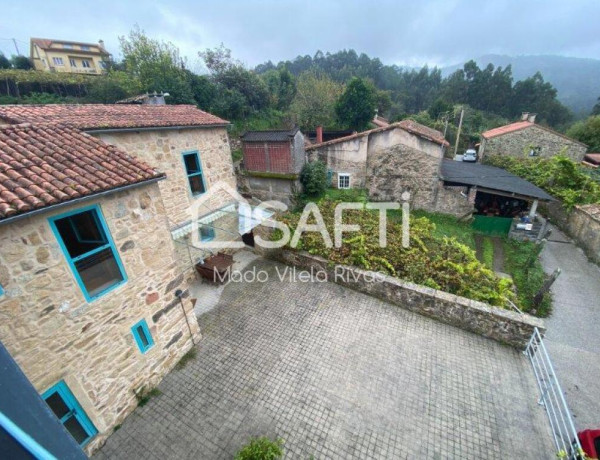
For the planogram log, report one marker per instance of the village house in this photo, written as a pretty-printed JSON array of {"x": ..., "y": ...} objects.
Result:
[
  {"x": 528, "y": 139},
  {"x": 52, "y": 55},
  {"x": 190, "y": 146},
  {"x": 272, "y": 162},
  {"x": 94, "y": 305}
]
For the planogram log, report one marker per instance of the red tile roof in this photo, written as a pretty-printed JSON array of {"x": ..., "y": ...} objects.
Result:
[
  {"x": 407, "y": 125},
  {"x": 49, "y": 164},
  {"x": 46, "y": 43},
  {"x": 110, "y": 116},
  {"x": 507, "y": 129}
]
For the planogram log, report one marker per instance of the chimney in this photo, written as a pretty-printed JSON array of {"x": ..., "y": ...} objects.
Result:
[
  {"x": 319, "y": 134},
  {"x": 525, "y": 116},
  {"x": 101, "y": 43},
  {"x": 531, "y": 117}
]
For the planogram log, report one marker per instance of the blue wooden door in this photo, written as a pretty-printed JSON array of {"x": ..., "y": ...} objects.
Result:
[{"x": 61, "y": 401}]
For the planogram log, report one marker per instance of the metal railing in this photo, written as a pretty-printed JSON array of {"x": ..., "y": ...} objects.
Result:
[{"x": 552, "y": 398}]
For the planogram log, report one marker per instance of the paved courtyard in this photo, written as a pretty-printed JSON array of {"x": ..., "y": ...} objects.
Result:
[{"x": 337, "y": 374}]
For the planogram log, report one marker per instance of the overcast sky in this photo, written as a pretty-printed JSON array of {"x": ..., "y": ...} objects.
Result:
[{"x": 437, "y": 32}]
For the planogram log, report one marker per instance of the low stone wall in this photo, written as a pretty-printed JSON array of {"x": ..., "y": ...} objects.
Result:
[
  {"x": 504, "y": 326},
  {"x": 268, "y": 188},
  {"x": 582, "y": 224}
]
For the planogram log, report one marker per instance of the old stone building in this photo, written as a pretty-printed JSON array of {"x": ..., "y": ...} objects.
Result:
[
  {"x": 527, "y": 139},
  {"x": 88, "y": 276},
  {"x": 387, "y": 161}
]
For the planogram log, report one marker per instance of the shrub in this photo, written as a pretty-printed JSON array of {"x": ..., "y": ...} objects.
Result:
[
  {"x": 261, "y": 449},
  {"x": 313, "y": 178}
]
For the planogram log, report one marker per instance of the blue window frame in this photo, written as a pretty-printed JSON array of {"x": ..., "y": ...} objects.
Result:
[
  {"x": 193, "y": 170},
  {"x": 67, "y": 409},
  {"x": 1, "y": 291},
  {"x": 207, "y": 233},
  {"x": 90, "y": 251},
  {"x": 142, "y": 336}
]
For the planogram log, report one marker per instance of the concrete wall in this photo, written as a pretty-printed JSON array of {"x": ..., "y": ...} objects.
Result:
[
  {"x": 298, "y": 152},
  {"x": 42, "y": 60},
  {"x": 398, "y": 161},
  {"x": 582, "y": 224},
  {"x": 504, "y": 326},
  {"x": 54, "y": 333},
  {"x": 518, "y": 143},
  {"x": 269, "y": 188},
  {"x": 163, "y": 150}
]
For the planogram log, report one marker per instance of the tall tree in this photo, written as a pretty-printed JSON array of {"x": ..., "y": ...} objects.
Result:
[
  {"x": 314, "y": 104},
  {"x": 596, "y": 109},
  {"x": 356, "y": 106},
  {"x": 588, "y": 132},
  {"x": 21, "y": 62},
  {"x": 4, "y": 62}
]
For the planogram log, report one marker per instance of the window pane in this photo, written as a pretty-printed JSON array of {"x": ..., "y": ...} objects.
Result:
[
  {"x": 76, "y": 429},
  {"x": 206, "y": 233},
  {"x": 57, "y": 405},
  {"x": 142, "y": 335},
  {"x": 99, "y": 271},
  {"x": 81, "y": 233},
  {"x": 197, "y": 184},
  {"x": 191, "y": 163}
]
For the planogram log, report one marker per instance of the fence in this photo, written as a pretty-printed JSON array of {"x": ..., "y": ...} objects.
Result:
[{"x": 552, "y": 398}]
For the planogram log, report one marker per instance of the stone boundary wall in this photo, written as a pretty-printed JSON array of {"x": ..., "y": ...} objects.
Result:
[
  {"x": 504, "y": 326},
  {"x": 582, "y": 224}
]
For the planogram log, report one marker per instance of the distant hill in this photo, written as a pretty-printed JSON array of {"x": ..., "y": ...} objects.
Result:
[{"x": 576, "y": 79}]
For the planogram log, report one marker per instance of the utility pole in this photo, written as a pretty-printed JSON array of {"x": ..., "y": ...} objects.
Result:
[
  {"x": 16, "y": 47},
  {"x": 462, "y": 112}
]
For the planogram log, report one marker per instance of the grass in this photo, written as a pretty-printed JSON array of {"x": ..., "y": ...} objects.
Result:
[
  {"x": 488, "y": 253},
  {"x": 261, "y": 449},
  {"x": 446, "y": 225},
  {"x": 185, "y": 359},
  {"x": 350, "y": 194},
  {"x": 521, "y": 261},
  {"x": 144, "y": 396},
  {"x": 237, "y": 155}
]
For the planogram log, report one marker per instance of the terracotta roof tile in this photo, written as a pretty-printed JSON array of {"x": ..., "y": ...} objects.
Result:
[
  {"x": 42, "y": 165},
  {"x": 110, "y": 116},
  {"x": 522, "y": 125}
]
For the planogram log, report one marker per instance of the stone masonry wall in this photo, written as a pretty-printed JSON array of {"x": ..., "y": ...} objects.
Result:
[
  {"x": 54, "y": 333},
  {"x": 504, "y": 326},
  {"x": 163, "y": 150},
  {"x": 518, "y": 143},
  {"x": 268, "y": 188},
  {"x": 348, "y": 157},
  {"x": 456, "y": 200}
]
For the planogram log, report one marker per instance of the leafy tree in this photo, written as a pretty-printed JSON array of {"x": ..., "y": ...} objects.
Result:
[
  {"x": 21, "y": 62},
  {"x": 4, "y": 62},
  {"x": 203, "y": 90},
  {"x": 282, "y": 87},
  {"x": 113, "y": 87},
  {"x": 439, "y": 107},
  {"x": 356, "y": 106},
  {"x": 313, "y": 178},
  {"x": 158, "y": 66},
  {"x": 596, "y": 109},
  {"x": 588, "y": 132},
  {"x": 314, "y": 103}
]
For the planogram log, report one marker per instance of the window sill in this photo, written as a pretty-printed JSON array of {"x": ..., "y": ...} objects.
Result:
[{"x": 105, "y": 292}]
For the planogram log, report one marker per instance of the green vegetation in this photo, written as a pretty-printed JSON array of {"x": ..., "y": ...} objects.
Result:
[
  {"x": 144, "y": 395},
  {"x": 313, "y": 178},
  {"x": 588, "y": 132},
  {"x": 521, "y": 261},
  {"x": 440, "y": 263},
  {"x": 347, "y": 194},
  {"x": 559, "y": 176},
  {"x": 261, "y": 448},
  {"x": 267, "y": 174},
  {"x": 187, "y": 358},
  {"x": 356, "y": 106},
  {"x": 314, "y": 104},
  {"x": 488, "y": 253}
]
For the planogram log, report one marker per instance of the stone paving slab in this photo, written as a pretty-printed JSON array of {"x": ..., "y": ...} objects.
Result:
[{"x": 337, "y": 374}]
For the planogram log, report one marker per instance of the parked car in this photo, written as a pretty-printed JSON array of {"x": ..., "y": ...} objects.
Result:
[{"x": 470, "y": 155}]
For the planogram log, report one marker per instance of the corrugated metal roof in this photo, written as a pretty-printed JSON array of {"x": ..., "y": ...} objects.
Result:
[
  {"x": 490, "y": 177},
  {"x": 278, "y": 135}
]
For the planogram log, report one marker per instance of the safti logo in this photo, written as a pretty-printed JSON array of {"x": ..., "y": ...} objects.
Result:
[{"x": 250, "y": 217}]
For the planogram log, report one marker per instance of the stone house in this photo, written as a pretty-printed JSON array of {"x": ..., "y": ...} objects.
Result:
[
  {"x": 190, "y": 146},
  {"x": 387, "y": 161},
  {"x": 88, "y": 275},
  {"x": 272, "y": 162},
  {"x": 527, "y": 139}
]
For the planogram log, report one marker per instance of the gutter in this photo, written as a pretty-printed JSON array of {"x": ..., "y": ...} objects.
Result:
[
  {"x": 79, "y": 200},
  {"x": 153, "y": 128}
]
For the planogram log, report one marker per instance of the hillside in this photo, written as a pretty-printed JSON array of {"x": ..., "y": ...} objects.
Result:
[{"x": 576, "y": 79}]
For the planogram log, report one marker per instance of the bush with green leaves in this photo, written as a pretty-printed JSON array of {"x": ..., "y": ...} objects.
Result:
[
  {"x": 560, "y": 176},
  {"x": 433, "y": 261},
  {"x": 261, "y": 449},
  {"x": 313, "y": 178}
]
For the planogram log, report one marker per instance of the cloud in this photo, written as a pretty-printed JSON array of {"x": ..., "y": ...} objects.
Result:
[{"x": 438, "y": 32}]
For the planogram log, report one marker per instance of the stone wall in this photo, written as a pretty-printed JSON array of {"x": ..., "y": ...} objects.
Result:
[
  {"x": 163, "y": 150},
  {"x": 456, "y": 200},
  {"x": 268, "y": 188},
  {"x": 54, "y": 333},
  {"x": 582, "y": 224},
  {"x": 518, "y": 143},
  {"x": 504, "y": 326},
  {"x": 349, "y": 157}
]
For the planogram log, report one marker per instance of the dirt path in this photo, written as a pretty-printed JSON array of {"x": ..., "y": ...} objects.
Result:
[{"x": 498, "y": 264}]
